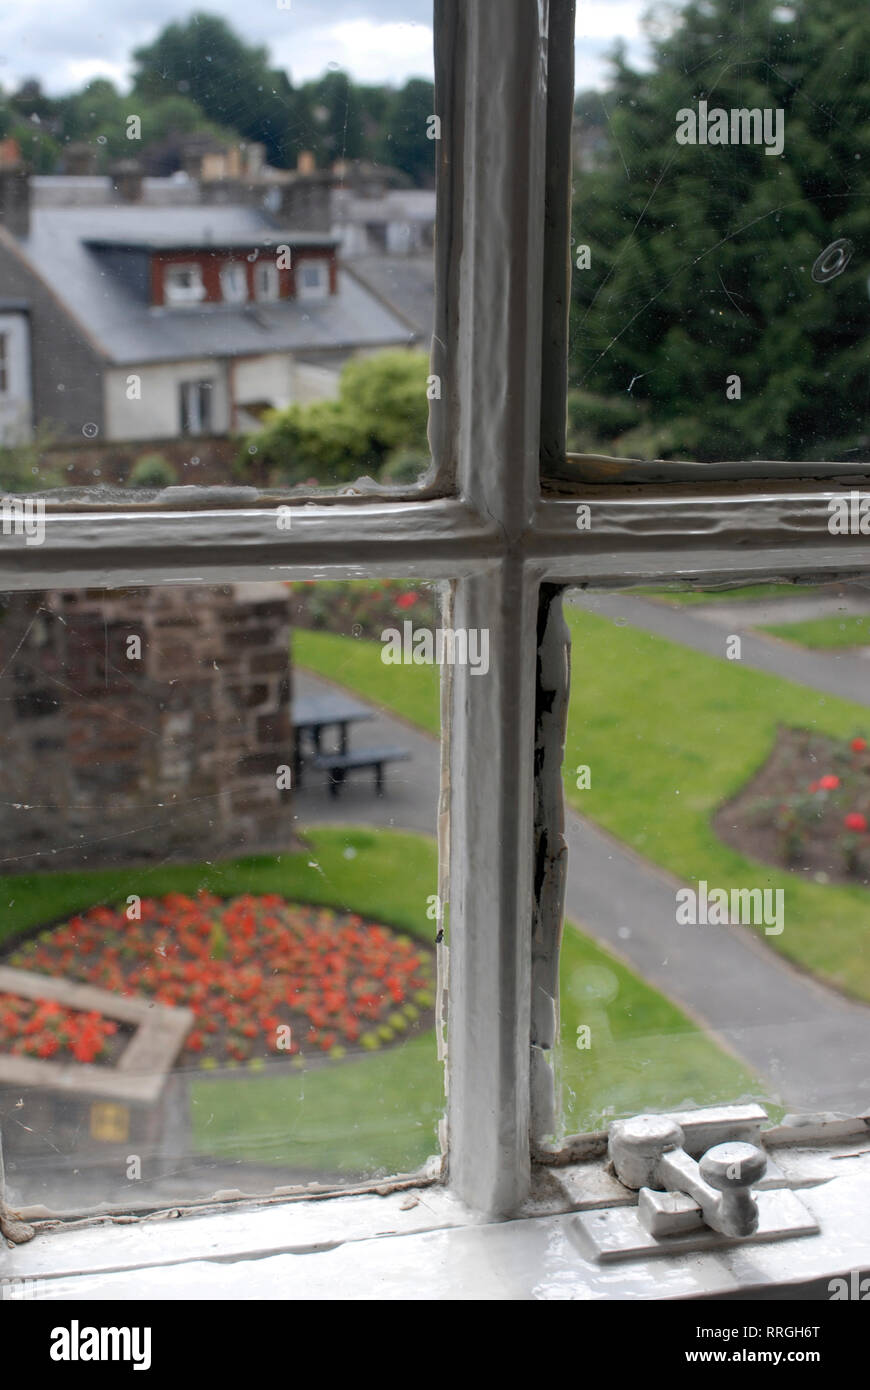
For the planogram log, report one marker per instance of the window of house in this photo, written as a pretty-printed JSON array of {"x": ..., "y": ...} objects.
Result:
[
  {"x": 512, "y": 530},
  {"x": 234, "y": 282},
  {"x": 266, "y": 280},
  {"x": 312, "y": 279},
  {"x": 183, "y": 284},
  {"x": 196, "y": 407}
]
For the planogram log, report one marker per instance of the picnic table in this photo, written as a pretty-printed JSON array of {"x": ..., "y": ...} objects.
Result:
[{"x": 311, "y": 714}]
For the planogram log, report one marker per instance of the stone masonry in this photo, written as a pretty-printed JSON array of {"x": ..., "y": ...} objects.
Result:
[{"x": 144, "y": 724}]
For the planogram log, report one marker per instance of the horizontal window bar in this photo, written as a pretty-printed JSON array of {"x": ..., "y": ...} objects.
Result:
[{"x": 433, "y": 540}]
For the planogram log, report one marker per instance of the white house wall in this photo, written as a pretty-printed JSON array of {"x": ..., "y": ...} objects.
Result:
[
  {"x": 312, "y": 383},
  {"x": 267, "y": 378},
  {"x": 156, "y": 414}
]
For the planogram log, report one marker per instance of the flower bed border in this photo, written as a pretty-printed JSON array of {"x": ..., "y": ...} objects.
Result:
[{"x": 143, "y": 1067}]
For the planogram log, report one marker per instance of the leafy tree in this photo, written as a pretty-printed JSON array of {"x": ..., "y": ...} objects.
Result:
[
  {"x": 404, "y": 142},
  {"x": 702, "y": 255},
  {"x": 381, "y": 408},
  {"x": 230, "y": 81},
  {"x": 334, "y": 115}
]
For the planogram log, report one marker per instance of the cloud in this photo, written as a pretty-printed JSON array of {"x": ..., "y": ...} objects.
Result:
[
  {"x": 372, "y": 50},
  {"x": 375, "y": 40}
]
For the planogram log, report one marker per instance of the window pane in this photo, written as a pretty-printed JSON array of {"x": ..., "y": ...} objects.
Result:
[
  {"x": 218, "y": 963},
  {"x": 247, "y": 199},
  {"x": 720, "y": 293},
  {"x": 718, "y": 780}
]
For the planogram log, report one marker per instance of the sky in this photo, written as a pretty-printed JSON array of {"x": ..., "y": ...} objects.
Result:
[{"x": 67, "y": 42}]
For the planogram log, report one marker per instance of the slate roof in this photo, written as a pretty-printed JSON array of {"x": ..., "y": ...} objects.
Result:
[
  {"x": 129, "y": 331},
  {"x": 405, "y": 284}
]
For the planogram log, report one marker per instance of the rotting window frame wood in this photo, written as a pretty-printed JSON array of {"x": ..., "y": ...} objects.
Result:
[{"x": 507, "y": 543}]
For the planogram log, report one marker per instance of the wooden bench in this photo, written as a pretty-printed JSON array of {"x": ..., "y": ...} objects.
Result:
[{"x": 338, "y": 764}]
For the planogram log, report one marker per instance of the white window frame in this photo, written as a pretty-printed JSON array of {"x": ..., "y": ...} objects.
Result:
[
  {"x": 507, "y": 542},
  {"x": 270, "y": 290},
  {"x": 230, "y": 273},
  {"x": 173, "y": 293},
  {"x": 321, "y": 289}
]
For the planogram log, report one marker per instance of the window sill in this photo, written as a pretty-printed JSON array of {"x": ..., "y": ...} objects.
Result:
[{"x": 423, "y": 1244}]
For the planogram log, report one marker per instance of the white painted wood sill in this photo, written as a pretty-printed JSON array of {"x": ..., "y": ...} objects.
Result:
[{"x": 424, "y": 1244}]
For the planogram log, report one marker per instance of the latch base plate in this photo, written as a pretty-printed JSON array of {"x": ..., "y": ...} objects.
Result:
[{"x": 617, "y": 1233}]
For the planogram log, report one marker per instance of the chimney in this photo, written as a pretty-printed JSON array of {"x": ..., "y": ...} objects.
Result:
[
  {"x": 126, "y": 176},
  {"x": 306, "y": 202},
  {"x": 306, "y": 163},
  {"x": 79, "y": 158},
  {"x": 15, "y": 199}
]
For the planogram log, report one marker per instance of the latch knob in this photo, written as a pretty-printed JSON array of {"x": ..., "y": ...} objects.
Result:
[
  {"x": 647, "y": 1153},
  {"x": 733, "y": 1169}
]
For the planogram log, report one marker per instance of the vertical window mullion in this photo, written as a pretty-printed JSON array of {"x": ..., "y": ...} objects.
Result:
[{"x": 495, "y": 151}]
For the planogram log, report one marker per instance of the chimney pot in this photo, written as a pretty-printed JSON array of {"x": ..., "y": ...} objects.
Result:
[{"x": 15, "y": 199}]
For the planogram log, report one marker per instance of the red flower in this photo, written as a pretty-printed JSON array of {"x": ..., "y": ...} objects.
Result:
[
  {"x": 855, "y": 821},
  {"x": 828, "y": 782},
  {"x": 406, "y": 600},
  {"x": 858, "y": 745}
]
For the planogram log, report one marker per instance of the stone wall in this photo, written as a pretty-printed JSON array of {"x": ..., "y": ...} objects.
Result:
[{"x": 144, "y": 725}]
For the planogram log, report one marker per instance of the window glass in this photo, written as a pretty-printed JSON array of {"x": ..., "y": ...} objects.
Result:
[
  {"x": 234, "y": 282},
  {"x": 266, "y": 280},
  {"x": 157, "y": 174},
  {"x": 720, "y": 278},
  {"x": 182, "y": 284},
  {"x": 218, "y": 960},
  {"x": 717, "y": 777},
  {"x": 312, "y": 280}
]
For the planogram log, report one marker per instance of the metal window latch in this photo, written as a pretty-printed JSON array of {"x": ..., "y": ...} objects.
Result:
[{"x": 693, "y": 1194}]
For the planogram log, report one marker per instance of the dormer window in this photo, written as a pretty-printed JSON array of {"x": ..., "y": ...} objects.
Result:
[
  {"x": 266, "y": 280},
  {"x": 234, "y": 282},
  {"x": 312, "y": 279},
  {"x": 183, "y": 284}
]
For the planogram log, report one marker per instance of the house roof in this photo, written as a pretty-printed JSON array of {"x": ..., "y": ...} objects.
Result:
[
  {"x": 60, "y": 250},
  {"x": 404, "y": 284}
]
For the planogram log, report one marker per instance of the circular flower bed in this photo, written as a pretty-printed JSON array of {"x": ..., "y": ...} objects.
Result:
[
  {"x": 262, "y": 976},
  {"x": 807, "y": 808}
]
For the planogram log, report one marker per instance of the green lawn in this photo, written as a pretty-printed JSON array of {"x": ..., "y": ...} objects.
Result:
[
  {"x": 732, "y": 595},
  {"x": 669, "y": 735},
  {"x": 644, "y": 1053},
  {"x": 410, "y": 691},
  {"x": 825, "y": 632},
  {"x": 365, "y": 870},
  {"x": 379, "y": 1113}
]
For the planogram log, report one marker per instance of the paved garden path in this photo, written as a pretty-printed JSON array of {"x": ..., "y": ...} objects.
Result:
[
  {"x": 810, "y": 1044},
  {"x": 704, "y": 629}
]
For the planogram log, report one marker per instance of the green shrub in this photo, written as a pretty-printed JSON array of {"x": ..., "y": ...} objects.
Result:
[
  {"x": 152, "y": 470},
  {"x": 404, "y": 466},
  {"x": 24, "y": 467},
  {"x": 381, "y": 407}
]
